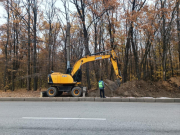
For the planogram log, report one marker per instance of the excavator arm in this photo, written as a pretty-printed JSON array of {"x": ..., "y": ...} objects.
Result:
[
  {"x": 86, "y": 59},
  {"x": 114, "y": 61}
]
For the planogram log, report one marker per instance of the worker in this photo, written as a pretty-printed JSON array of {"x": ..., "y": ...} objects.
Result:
[{"x": 101, "y": 88}]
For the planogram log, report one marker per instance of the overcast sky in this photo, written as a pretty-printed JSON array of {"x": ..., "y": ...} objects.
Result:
[
  {"x": 2, "y": 14},
  {"x": 58, "y": 4}
]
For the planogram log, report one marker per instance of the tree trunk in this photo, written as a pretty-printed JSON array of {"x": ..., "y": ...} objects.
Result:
[
  {"x": 7, "y": 42},
  {"x": 126, "y": 59},
  {"x": 96, "y": 63},
  {"x": 151, "y": 69},
  {"x": 53, "y": 52},
  {"x": 144, "y": 58},
  {"x": 136, "y": 59},
  {"x": 164, "y": 43},
  {"x": 133, "y": 44},
  {"x": 86, "y": 53},
  {"x": 50, "y": 44},
  {"x": 178, "y": 29},
  {"x": 34, "y": 53},
  {"x": 127, "y": 47},
  {"x": 87, "y": 64},
  {"x": 170, "y": 57},
  {"x": 28, "y": 60},
  {"x": 144, "y": 68},
  {"x": 13, "y": 63},
  {"x": 65, "y": 52}
]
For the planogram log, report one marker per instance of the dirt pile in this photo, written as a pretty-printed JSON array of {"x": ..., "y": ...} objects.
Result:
[
  {"x": 110, "y": 87},
  {"x": 169, "y": 88}
]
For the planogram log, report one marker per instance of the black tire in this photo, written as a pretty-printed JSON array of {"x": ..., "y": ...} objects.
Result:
[
  {"x": 51, "y": 92},
  {"x": 59, "y": 93},
  {"x": 76, "y": 92}
]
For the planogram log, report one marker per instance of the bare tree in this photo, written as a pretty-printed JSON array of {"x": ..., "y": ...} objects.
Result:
[
  {"x": 7, "y": 42},
  {"x": 29, "y": 40},
  {"x": 136, "y": 7},
  {"x": 50, "y": 13},
  {"x": 178, "y": 28},
  {"x": 81, "y": 7},
  {"x": 34, "y": 51}
]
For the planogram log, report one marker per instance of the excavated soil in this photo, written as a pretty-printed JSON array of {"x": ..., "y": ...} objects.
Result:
[{"x": 169, "y": 88}]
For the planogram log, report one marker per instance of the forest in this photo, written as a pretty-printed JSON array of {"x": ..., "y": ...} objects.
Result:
[{"x": 33, "y": 40}]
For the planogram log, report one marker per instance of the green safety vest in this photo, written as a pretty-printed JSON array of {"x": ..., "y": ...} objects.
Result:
[{"x": 101, "y": 84}]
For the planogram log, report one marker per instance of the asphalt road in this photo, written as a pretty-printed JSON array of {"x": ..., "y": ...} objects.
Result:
[{"x": 89, "y": 118}]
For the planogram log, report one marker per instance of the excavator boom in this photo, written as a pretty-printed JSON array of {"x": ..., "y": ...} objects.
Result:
[{"x": 86, "y": 59}]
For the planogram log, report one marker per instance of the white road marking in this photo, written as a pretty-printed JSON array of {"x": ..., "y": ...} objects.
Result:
[{"x": 46, "y": 118}]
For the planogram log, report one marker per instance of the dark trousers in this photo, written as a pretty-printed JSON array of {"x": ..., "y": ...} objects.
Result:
[{"x": 102, "y": 92}]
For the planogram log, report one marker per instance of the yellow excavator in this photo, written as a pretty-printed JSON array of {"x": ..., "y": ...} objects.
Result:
[{"x": 70, "y": 82}]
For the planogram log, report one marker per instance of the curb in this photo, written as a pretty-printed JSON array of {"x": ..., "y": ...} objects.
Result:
[{"x": 94, "y": 99}]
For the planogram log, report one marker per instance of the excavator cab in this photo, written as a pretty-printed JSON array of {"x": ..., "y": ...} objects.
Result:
[
  {"x": 68, "y": 71},
  {"x": 78, "y": 76}
]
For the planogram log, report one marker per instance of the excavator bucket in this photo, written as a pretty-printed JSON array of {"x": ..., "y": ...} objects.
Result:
[
  {"x": 118, "y": 82},
  {"x": 112, "y": 85}
]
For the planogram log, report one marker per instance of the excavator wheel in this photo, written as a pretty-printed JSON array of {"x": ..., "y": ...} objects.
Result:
[
  {"x": 52, "y": 92},
  {"x": 76, "y": 92}
]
